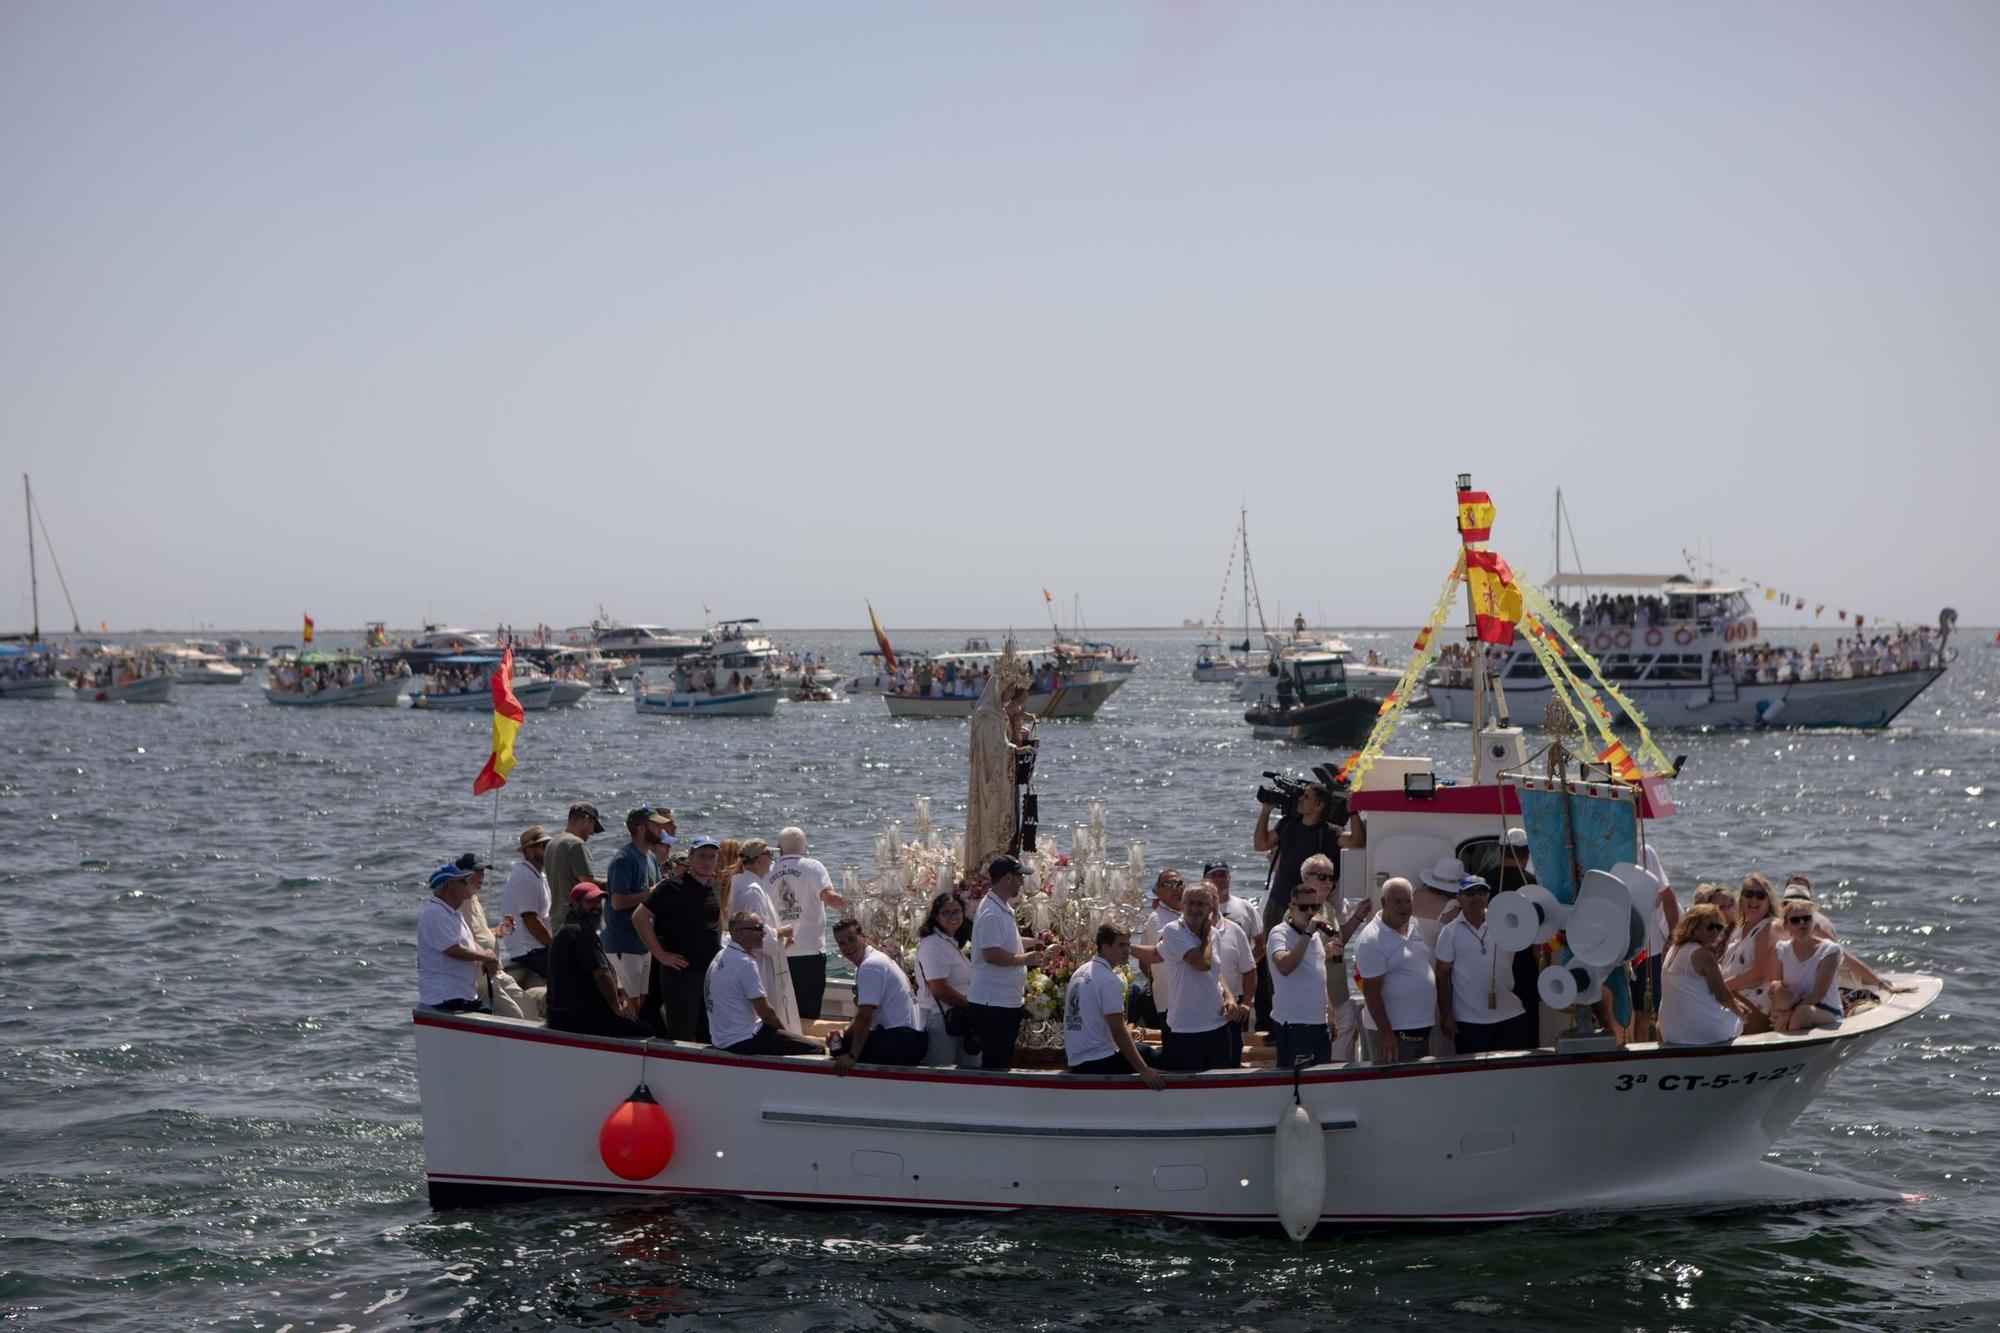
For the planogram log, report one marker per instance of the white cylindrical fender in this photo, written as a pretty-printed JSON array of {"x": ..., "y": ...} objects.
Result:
[
  {"x": 1298, "y": 1171},
  {"x": 1515, "y": 921}
]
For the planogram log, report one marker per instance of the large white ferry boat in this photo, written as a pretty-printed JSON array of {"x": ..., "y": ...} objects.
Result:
[{"x": 1679, "y": 649}]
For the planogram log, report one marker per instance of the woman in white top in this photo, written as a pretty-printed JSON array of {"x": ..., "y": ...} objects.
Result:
[
  {"x": 944, "y": 981},
  {"x": 1696, "y": 1008},
  {"x": 1808, "y": 996},
  {"x": 1751, "y": 963},
  {"x": 747, "y": 894}
]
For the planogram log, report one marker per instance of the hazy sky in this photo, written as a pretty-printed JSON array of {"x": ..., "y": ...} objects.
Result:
[{"x": 497, "y": 311}]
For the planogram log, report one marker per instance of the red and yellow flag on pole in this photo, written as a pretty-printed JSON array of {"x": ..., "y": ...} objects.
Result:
[
  {"x": 307, "y": 633},
  {"x": 1048, "y": 597},
  {"x": 1475, "y": 516},
  {"x": 882, "y": 640},
  {"x": 1496, "y": 602},
  {"x": 1619, "y": 761},
  {"x": 507, "y": 716}
]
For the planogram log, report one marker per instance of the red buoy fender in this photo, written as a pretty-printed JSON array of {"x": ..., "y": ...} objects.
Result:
[{"x": 637, "y": 1140}]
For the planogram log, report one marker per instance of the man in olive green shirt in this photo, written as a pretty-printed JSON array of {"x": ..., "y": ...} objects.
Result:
[{"x": 566, "y": 863}]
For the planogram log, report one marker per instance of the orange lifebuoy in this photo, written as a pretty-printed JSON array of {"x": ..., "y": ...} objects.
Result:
[
  {"x": 1654, "y": 638},
  {"x": 1622, "y": 640},
  {"x": 1683, "y": 637}
]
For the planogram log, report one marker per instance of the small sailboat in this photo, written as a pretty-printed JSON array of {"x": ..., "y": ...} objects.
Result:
[{"x": 28, "y": 670}]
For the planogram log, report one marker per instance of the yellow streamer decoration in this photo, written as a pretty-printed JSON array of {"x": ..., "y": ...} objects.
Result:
[
  {"x": 1649, "y": 755},
  {"x": 1357, "y": 765}
]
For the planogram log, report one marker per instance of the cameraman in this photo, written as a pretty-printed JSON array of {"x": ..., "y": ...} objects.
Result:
[{"x": 1304, "y": 831}]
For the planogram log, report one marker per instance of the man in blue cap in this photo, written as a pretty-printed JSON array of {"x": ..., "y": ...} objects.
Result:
[{"x": 449, "y": 963}]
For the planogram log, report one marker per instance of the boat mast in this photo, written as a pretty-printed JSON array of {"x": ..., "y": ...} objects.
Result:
[
  {"x": 1559, "y": 533},
  {"x": 34, "y": 588}
]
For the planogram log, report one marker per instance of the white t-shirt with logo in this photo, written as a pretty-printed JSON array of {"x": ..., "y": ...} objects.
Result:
[
  {"x": 794, "y": 884},
  {"x": 1301, "y": 996},
  {"x": 1094, "y": 994},
  {"x": 1403, "y": 962},
  {"x": 441, "y": 978},
  {"x": 527, "y": 891},
  {"x": 879, "y": 982},
  {"x": 938, "y": 959},
  {"x": 993, "y": 928},
  {"x": 1196, "y": 1004},
  {"x": 732, "y": 983},
  {"x": 1477, "y": 971}
]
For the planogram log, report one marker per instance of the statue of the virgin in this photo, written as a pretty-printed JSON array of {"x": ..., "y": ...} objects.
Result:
[{"x": 992, "y": 809}]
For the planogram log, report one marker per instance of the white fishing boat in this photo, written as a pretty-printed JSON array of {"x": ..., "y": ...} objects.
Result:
[
  {"x": 739, "y": 645},
  {"x": 667, "y": 701},
  {"x": 130, "y": 678},
  {"x": 1682, "y": 651},
  {"x": 332, "y": 680},
  {"x": 1076, "y": 695},
  {"x": 463, "y": 684},
  {"x": 29, "y": 672},
  {"x": 1577, "y": 1125},
  {"x": 1258, "y": 687}
]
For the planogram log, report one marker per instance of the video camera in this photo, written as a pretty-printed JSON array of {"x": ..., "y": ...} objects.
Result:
[{"x": 1283, "y": 791}]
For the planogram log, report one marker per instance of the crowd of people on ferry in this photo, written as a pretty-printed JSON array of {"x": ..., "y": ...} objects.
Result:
[
  {"x": 1882, "y": 654},
  {"x": 722, "y": 942},
  {"x": 946, "y": 679},
  {"x": 701, "y": 678}
]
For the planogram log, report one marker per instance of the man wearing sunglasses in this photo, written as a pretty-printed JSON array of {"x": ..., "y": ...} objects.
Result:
[{"x": 740, "y": 1017}]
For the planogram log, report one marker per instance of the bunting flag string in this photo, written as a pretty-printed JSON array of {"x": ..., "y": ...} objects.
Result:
[
  {"x": 1355, "y": 770},
  {"x": 1771, "y": 591}
]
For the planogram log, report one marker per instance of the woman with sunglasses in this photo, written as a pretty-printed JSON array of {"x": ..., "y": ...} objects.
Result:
[
  {"x": 944, "y": 978},
  {"x": 1751, "y": 963},
  {"x": 1696, "y": 1008},
  {"x": 1808, "y": 996}
]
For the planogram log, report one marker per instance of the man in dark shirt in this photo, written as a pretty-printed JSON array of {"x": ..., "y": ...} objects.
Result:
[
  {"x": 583, "y": 990},
  {"x": 1306, "y": 831},
  {"x": 680, "y": 924}
]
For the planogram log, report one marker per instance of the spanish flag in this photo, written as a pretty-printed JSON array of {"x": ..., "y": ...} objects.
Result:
[
  {"x": 1475, "y": 516},
  {"x": 507, "y": 717},
  {"x": 882, "y": 640},
  {"x": 1048, "y": 597},
  {"x": 1619, "y": 761},
  {"x": 1423, "y": 639},
  {"x": 1496, "y": 602},
  {"x": 307, "y": 633}
]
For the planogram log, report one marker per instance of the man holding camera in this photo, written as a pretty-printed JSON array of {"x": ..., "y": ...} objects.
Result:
[{"x": 1306, "y": 827}]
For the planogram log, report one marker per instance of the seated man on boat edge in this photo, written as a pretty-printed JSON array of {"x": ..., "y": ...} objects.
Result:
[
  {"x": 449, "y": 963},
  {"x": 740, "y": 1017},
  {"x": 1096, "y": 1039},
  {"x": 884, "y": 1029},
  {"x": 584, "y": 991}
]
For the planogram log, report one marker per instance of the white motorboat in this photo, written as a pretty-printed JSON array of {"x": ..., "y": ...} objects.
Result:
[
  {"x": 643, "y": 645},
  {"x": 193, "y": 665},
  {"x": 332, "y": 680},
  {"x": 739, "y": 645},
  {"x": 29, "y": 672},
  {"x": 1214, "y": 664},
  {"x": 666, "y": 701},
  {"x": 1679, "y": 649},
  {"x": 1258, "y": 686},
  {"x": 131, "y": 679}
]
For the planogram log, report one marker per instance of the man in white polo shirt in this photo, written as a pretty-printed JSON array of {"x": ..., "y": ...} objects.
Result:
[
  {"x": 999, "y": 967},
  {"x": 1298, "y": 949},
  {"x": 1095, "y": 1037},
  {"x": 1475, "y": 979},
  {"x": 1202, "y": 1003},
  {"x": 1398, "y": 990},
  {"x": 884, "y": 1029},
  {"x": 740, "y": 1017},
  {"x": 449, "y": 963}
]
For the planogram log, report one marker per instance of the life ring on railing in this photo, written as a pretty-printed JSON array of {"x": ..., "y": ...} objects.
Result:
[
  {"x": 1683, "y": 637},
  {"x": 1622, "y": 640},
  {"x": 1654, "y": 638}
]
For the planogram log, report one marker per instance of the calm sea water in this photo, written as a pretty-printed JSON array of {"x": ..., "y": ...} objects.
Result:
[{"x": 208, "y": 1115}]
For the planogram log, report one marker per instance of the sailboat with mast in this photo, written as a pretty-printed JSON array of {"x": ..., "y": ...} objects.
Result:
[
  {"x": 1215, "y": 659},
  {"x": 27, "y": 668}
]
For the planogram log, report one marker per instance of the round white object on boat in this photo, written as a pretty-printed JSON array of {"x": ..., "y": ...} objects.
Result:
[
  {"x": 1640, "y": 883},
  {"x": 1298, "y": 1171},
  {"x": 1559, "y": 986},
  {"x": 1599, "y": 929},
  {"x": 1552, "y": 912},
  {"x": 1515, "y": 921}
]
